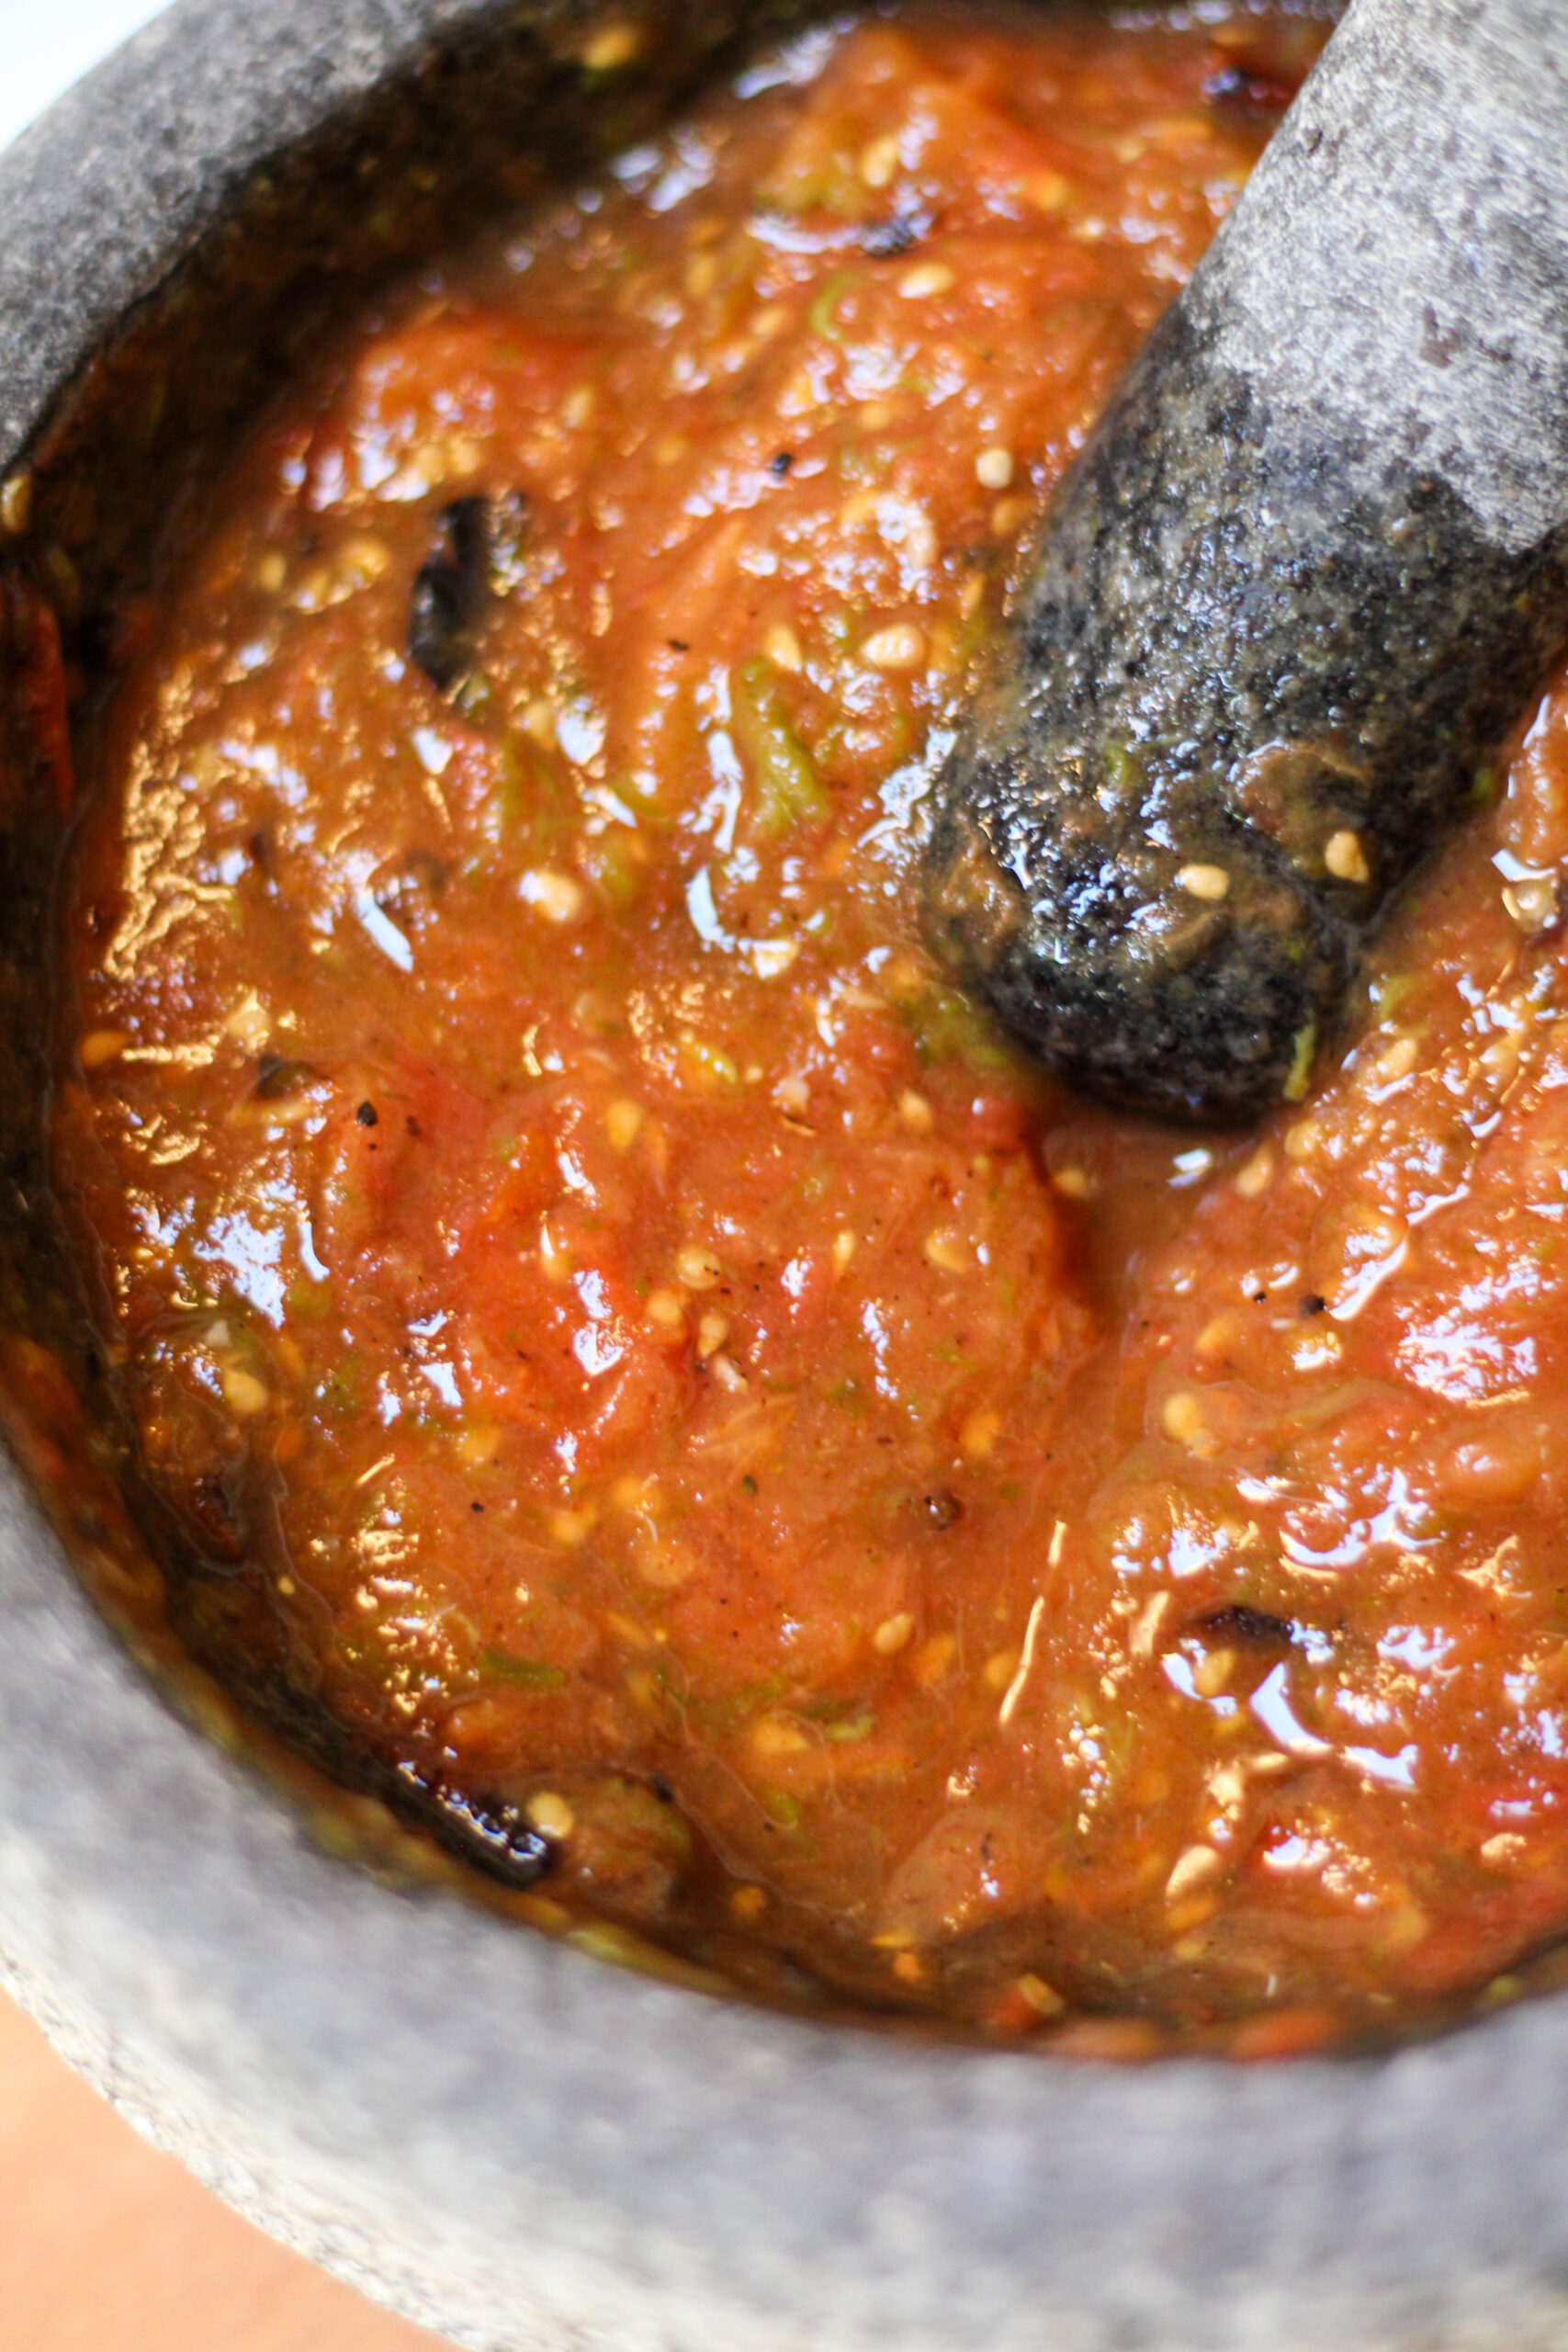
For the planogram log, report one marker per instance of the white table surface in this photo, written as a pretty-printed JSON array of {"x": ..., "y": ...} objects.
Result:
[{"x": 45, "y": 45}]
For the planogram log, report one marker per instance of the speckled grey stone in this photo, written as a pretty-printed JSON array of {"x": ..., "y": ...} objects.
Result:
[
  {"x": 1306, "y": 575},
  {"x": 501, "y": 2137}
]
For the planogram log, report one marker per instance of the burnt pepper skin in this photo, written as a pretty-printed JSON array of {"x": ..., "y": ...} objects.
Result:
[{"x": 449, "y": 594}]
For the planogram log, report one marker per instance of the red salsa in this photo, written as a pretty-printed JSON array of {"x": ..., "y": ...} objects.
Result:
[{"x": 660, "y": 1359}]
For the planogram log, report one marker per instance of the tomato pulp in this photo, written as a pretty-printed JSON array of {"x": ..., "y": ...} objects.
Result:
[{"x": 652, "y": 1352}]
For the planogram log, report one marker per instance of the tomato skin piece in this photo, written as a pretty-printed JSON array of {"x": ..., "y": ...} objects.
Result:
[{"x": 358, "y": 1172}]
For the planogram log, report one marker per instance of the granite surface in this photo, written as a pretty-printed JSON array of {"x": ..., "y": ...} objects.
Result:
[{"x": 496, "y": 2134}]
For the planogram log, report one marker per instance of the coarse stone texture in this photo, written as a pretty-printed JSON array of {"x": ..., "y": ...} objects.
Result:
[
  {"x": 498, "y": 2135},
  {"x": 102, "y": 197},
  {"x": 1297, "y": 588}
]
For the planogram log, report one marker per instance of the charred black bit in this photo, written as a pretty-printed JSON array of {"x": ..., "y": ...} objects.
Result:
[
  {"x": 1236, "y": 1620},
  {"x": 489, "y": 1832},
  {"x": 478, "y": 553},
  {"x": 277, "y": 1079},
  {"x": 226, "y": 1612},
  {"x": 1314, "y": 1302},
  {"x": 449, "y": 593},
  {"x": 884, "y": 239},
  {"x": 368, "y": 1115},
  {"x": 780, "y": 463},
  {"x": 941, "y": 1510}
]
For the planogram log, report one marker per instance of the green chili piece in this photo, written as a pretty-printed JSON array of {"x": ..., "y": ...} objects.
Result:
[
  {"x": 787, "y": 784},
  {"x": 821, "y": 314},
  {"x": 522, "y": 1673}
]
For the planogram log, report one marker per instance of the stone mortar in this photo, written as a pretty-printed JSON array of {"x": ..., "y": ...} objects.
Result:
[{"x": 501, "y": 2137}]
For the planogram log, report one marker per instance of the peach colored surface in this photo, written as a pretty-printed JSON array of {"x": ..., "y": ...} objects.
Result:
[{"x": 105, "y": 2247}]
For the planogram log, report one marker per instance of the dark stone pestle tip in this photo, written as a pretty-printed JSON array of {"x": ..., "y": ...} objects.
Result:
[{"x": 1293, "y": 592}]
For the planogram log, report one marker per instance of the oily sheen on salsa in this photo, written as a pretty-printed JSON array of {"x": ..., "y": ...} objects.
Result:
[{"x": 653, "y": 1354}]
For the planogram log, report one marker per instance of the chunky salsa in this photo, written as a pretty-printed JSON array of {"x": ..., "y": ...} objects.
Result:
[{"x": 662, "y": 1374}]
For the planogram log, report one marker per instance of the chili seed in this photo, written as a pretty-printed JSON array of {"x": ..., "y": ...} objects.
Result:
[
  {"x": 782, "y": 647},
  {"x": 1181, "y": 1418},
  {"x": 712, "y": 1332},
  {"x": 1073, "y": 1183},
  {"x": 893, "y": 1635},
  {"x": 1252, "y": 1177},
  {"x": 244, "y": 1393},
  {"x": 103, "y": 1046},
  {"x": 1192, "y": 1869},
  {"x": 551, "y": 1815},
  {"x": 778, "y": 1735},
  {"x": 1210, "y": 882},
  {"x": 623, "y": 1122},
  {"x": 1042, "y": 1998},
  {"x": 572, "y": 1529},
  {"x": 978, "y": 1436},
  {"x": 698, "y": 1267},
  {"x": 901, "y": 645},
  {"x": 16, "y": 504},
  {"x": 1532, "y": 904},
  {"x": 926, "y": 277},
  {"x": 879, "y": 162},
  {"x": 1212, "y": 1672},
  {"x": 559, "y": 897},
  {"x": 613, "y": 46},
  {"x": 1346, "y": 859}
]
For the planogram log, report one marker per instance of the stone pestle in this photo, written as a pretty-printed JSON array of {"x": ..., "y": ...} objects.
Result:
[{"x": 1295, "y": 589}]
